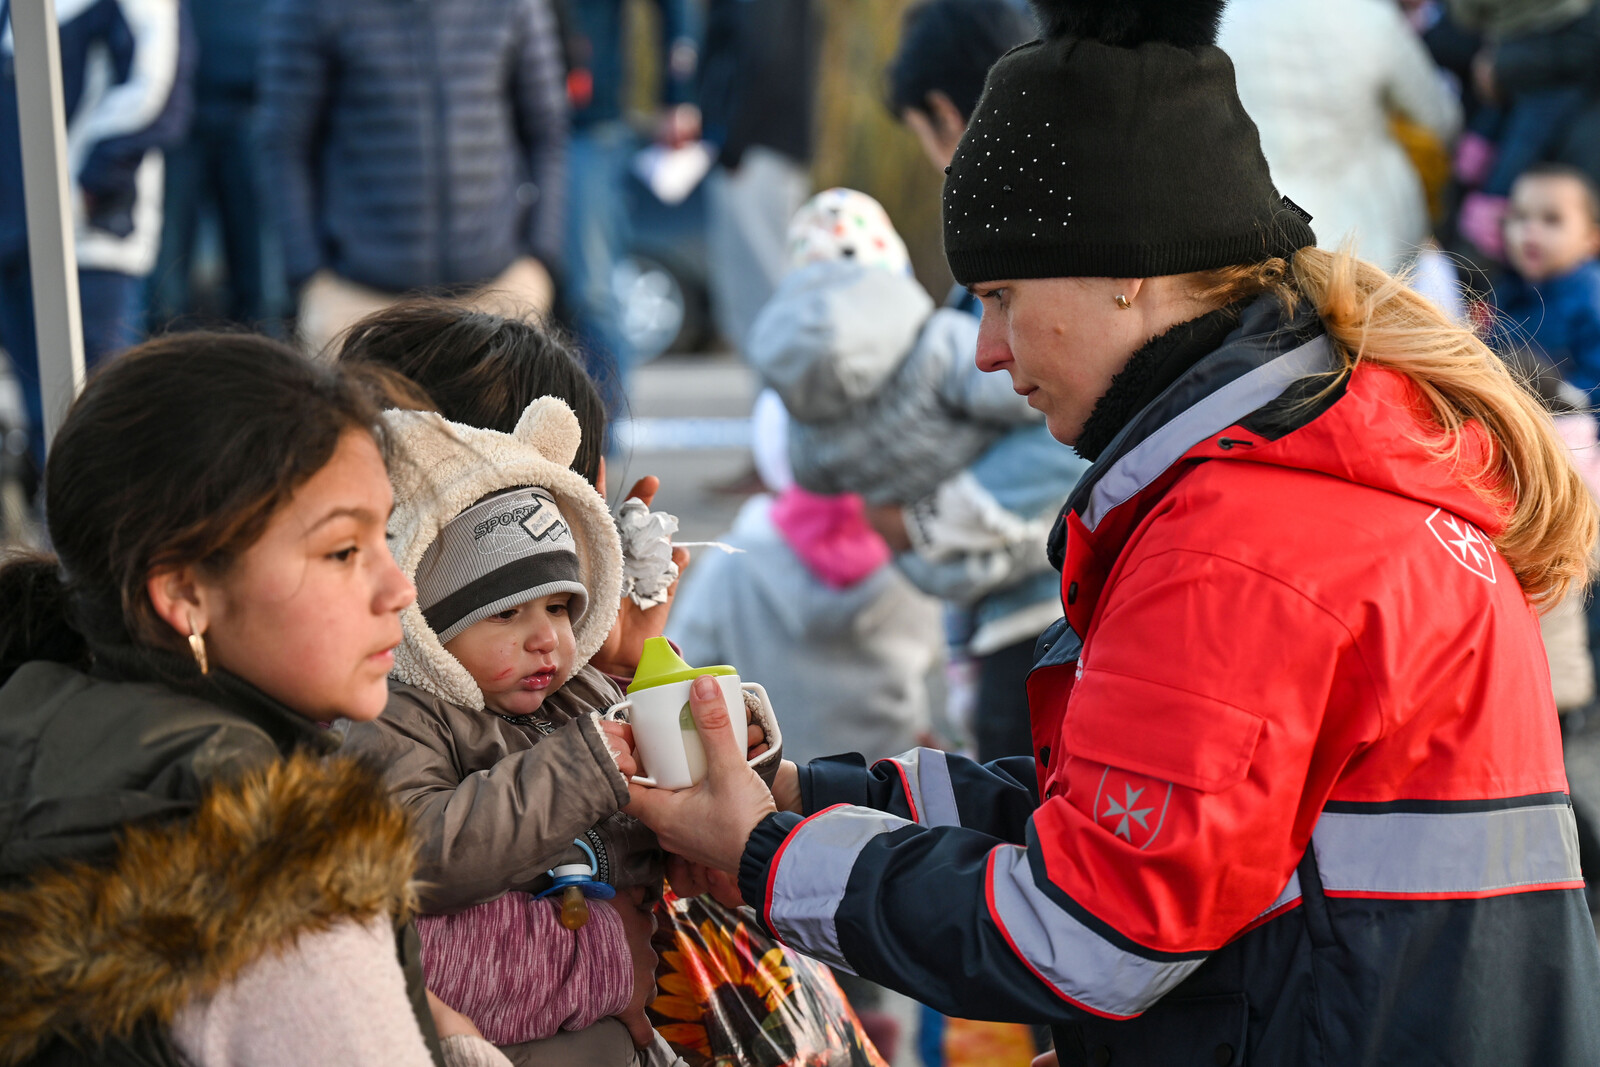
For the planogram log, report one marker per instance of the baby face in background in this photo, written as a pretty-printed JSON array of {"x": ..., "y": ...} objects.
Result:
[
  {"x": 1550, "y": 226},
  {"x": 519, "y": 656}
]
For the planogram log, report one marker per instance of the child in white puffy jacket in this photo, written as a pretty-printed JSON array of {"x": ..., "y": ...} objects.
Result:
[{"x": 882, "y": 389}]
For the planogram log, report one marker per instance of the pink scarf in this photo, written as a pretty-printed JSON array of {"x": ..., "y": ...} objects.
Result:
[{"x": 830, "y": 534}]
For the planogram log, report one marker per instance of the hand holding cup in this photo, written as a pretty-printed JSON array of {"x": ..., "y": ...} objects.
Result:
[{"x": 710, "y": 822}]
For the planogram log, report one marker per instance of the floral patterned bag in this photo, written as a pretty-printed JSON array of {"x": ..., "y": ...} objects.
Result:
[{"x": 728, "y": 995}]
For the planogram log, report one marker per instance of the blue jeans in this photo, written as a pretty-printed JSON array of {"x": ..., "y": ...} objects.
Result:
[
  {"x": 111, "y": 311},
  {"x": 597, "y": 237}
]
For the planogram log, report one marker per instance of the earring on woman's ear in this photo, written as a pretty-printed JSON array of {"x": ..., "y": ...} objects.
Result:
[
  {"x": 197, "y": 645},
  {"x": 1123, "y": 302}
]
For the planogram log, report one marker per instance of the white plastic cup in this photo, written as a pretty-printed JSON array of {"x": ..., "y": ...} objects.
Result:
[{"x": 665, "y": 738}]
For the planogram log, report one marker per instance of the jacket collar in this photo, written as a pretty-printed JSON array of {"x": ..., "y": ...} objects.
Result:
[
  {"x": 1274, "y": 394},
  {"x": 1254, "y": 367},
  {"x": 288, "y": 729}
]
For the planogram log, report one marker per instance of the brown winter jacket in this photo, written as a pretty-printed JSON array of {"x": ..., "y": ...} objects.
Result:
[{"x": 497, "y": 803}]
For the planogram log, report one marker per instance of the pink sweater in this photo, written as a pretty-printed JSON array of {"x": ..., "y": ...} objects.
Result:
[{"x": 515, "y": 971}]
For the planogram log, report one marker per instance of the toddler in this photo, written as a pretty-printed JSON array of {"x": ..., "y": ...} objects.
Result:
[
  {"x": 883, "y": 391},
  {"x": 493, "y": 743},
  {"x": 1551, "y": 298}
]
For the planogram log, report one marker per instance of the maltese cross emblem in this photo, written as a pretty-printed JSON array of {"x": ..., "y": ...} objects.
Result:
[
  {"x": 1465, "y": 542},
  {"x": 1131, "y": 806}
]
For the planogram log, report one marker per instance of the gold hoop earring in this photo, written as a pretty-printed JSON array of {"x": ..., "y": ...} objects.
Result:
[
  {"x": 1123, "y": 302},
  {"x": 197, "y": 646}
]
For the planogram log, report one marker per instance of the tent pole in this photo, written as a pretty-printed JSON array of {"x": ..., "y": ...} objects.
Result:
[{"x": 52, "y": 255}]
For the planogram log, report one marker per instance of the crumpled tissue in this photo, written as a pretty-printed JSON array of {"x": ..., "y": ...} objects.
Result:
[{"x": 647, "y": 567}]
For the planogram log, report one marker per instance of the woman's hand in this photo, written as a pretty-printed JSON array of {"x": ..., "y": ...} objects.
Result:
[
  {"x": 708, "y": 823},
  {"x": 619, "y": 656},
  {"x": 786, "y": 788},
  {"x": 692, "y": 879}
]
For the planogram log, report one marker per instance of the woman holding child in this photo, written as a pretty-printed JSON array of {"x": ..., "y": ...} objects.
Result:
[{"x": 1298, "y": 794}]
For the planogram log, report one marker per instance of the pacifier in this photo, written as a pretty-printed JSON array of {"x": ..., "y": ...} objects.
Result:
[{"x": 576, "y": 883}]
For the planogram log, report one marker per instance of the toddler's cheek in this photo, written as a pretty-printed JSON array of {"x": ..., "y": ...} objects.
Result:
[{"x": 494, "y": 667}]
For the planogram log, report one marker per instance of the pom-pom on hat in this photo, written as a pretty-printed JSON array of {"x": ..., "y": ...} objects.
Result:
[{"x": 1116, "y": 146}]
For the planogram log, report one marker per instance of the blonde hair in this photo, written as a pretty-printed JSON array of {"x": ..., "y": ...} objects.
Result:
[{"x": 1374, "y": 317}]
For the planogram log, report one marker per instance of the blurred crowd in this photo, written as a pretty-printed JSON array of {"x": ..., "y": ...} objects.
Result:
[{"x": 293, "y": 167}]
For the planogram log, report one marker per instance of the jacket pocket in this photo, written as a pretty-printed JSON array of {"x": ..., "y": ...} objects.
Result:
[{"x": 1159, "y": 730}]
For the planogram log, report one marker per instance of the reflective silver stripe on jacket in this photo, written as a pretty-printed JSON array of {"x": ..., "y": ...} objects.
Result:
[
  {"x": 1463, "y": 852},
  {"x": 1144, "y": 462},
  {"x": 811, "y": 874},
  {"x": 1290, "y": 894},
  {"x": 926, "y": 774},
  {"x": 1078, "y": 962}
]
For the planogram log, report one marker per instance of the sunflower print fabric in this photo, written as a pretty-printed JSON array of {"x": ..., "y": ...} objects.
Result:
[{"x": 727, "y": 995}]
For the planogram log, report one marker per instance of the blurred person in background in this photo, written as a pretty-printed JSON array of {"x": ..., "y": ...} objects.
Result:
[
  {"x": 1322, "y": 80},
  {"x": 757, "y": 97},
  {"x": 600, "y": 147},
  {"x": 127, "y": 71},
  {"x": 1537, "y": 71},
  {"x": 977, "y": 541},
  {"x": 811, "y": 607},
  {"x": 413, "y": 147},
  {"x": 1549, "y": 298},
  {"x": 214, "y": 172}
]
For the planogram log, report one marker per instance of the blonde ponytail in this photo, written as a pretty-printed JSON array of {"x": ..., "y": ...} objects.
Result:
[{"x": 1374, "y": 317}]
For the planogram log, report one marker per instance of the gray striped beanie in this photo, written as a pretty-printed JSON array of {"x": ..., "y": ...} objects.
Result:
[{"x": 505, "y": 550}]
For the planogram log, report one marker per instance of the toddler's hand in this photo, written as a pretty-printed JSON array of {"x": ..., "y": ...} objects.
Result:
[
  {"x": 755, "y": 736},
  {"x": 619, "y": 736}
]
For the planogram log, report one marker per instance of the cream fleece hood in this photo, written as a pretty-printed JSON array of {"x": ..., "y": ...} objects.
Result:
[{"x": 442, "y": 469}]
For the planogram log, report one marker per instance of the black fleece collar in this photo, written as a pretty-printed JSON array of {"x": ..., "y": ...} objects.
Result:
[
  {"x": 1154, "y": 367},
  {"x": 1263, "y": 333}
]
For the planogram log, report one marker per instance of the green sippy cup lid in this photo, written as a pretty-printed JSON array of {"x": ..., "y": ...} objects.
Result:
[{"x": 660, "y": 665}]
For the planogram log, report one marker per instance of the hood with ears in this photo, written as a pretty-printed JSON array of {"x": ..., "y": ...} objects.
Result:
[{"x": 443, "y": 469}]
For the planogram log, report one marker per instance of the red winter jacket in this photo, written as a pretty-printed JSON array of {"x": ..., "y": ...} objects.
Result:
[{"x": 1302, "y": 788}]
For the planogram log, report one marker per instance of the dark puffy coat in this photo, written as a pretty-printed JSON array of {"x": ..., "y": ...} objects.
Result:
[
  {"x": 413, "y": 145},
  {"x": 118, "y": 797},
  {"x": 758, "y": 75}
]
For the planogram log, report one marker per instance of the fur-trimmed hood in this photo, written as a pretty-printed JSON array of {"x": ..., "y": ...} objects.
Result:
[
  {"x": 90, "y": 953},
  {"x": 445, "y": 468}
]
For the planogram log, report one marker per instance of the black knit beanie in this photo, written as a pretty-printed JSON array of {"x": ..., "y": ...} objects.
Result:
[{"x": 1114, "y": 147}]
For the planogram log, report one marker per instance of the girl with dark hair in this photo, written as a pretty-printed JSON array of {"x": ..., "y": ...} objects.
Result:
[
  {"x": 482, "y": 369},
  {"x": 186, "y": 874},
  {"x": 1297, "y": 792}
]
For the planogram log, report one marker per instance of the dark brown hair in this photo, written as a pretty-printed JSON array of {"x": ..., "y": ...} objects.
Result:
[
  {"x": 481, "y": 369},
  {"x": 177, "y": 453}
]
